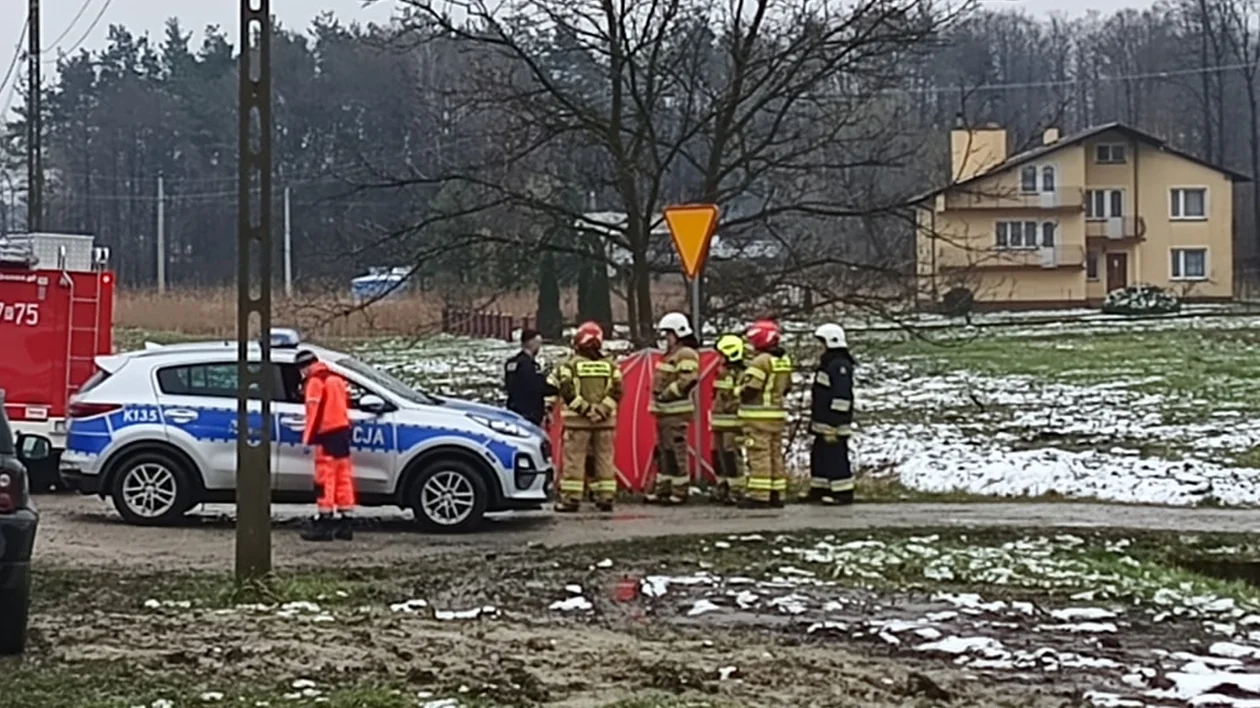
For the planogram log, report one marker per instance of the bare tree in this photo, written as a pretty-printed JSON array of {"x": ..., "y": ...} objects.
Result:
[{"x": 775, "y": 109}]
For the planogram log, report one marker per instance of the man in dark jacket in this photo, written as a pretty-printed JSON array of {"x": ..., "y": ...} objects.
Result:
[
  {"x": 831, "y": 420},
  {"x": 526, "y": 386}
]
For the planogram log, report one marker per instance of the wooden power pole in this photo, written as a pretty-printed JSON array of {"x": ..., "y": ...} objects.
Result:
[{"x": 253, "y": 313}]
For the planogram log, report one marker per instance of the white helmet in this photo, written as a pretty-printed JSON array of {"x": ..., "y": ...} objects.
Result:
[
  {"x": 675, "y": 322},
  {"x": 832, "y": 336}
]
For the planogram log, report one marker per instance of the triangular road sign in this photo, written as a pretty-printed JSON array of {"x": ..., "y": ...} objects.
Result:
[{"x": 692, "y": 226}]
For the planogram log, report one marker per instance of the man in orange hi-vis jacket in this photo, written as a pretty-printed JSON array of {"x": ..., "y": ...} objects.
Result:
[{"x": 328, "y": 429}]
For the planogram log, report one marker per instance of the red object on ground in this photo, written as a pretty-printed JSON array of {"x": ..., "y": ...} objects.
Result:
[{"x": 636, "y": 426}]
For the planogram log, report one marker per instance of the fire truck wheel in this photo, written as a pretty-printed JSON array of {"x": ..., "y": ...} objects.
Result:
[{"x": 152, "y": 489}]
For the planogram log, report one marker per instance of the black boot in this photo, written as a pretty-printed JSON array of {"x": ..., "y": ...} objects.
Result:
[
  {"x": 321, "y": 529},
  {"x": 345, "y": 529}
]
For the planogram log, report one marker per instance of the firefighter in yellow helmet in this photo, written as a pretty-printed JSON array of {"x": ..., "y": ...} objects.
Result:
[
  {"x": 725, "y": 422},
  {"x": 673, "y": 404},
  {"x": 589, "y": 383},
  {"x": 763, "y": 389}
]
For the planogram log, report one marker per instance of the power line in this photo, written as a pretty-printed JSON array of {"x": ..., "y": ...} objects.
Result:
[
  {"x": 95, "y": 21},
  {"x": 53, "y": 45},
  {"x": 17, "y": 53}
]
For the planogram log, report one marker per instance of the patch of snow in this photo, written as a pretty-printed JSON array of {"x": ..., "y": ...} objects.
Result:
[
  {"x": 474, "y": 613},
  {"x": 701, "y": 607}
]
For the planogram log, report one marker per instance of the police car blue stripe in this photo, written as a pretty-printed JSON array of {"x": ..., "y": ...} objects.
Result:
[{"x": 93, "y": 436}]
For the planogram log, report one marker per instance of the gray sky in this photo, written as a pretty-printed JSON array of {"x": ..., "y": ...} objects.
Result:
[{"x": 141, "y": 16}]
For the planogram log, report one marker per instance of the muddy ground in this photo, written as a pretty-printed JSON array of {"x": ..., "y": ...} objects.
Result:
[{"x": 538, "y": 611}]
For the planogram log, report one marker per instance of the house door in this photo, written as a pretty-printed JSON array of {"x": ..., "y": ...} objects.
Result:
[{"x": 1117, "y": 271}]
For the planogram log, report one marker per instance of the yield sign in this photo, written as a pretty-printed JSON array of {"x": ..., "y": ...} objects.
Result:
[{"x": 692, "y": 226}]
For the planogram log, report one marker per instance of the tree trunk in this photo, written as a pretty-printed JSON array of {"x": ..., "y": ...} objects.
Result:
[{"x": 550, "y": 318}]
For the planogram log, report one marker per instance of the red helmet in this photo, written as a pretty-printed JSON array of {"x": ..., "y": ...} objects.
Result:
[
  {"x": 589, "y": 335},
  {"x": 764, "y": 335}
]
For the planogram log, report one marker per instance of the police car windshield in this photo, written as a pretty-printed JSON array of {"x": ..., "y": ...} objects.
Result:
[{"x": 384, "y": 380}]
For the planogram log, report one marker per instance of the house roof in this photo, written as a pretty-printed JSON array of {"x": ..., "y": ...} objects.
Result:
[{"x": 1030, "y": 155}]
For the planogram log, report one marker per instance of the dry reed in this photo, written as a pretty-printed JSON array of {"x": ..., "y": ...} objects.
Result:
[{"x": 212, "y": 312}]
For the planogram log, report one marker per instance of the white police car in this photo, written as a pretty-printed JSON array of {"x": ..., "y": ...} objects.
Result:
[{"x": 156, "y": 431}]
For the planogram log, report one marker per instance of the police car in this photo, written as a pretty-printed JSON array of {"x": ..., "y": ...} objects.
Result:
[{"x": 156, "y": 432}]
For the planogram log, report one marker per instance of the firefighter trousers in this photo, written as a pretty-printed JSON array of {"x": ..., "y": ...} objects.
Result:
[
  {"x": 334, "y": 481},
  {"x": 830, "y": 470},
  {"x": 767, "y": 473},
  {"x": 673, "y": 478},
  {"x": 728, "y": 463},
  {"x": 581, "y": 444}
]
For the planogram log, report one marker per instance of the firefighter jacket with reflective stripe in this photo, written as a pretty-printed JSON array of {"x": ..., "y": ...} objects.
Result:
[
  {"x": 590, "y": 387},
  {"x": 725, "y": 402},
  {"x": 676, "y": 376},
  {"x": 327, "y": 404},
  {"x": 764, "y": 386},
  {"x": 831, "y": 398}
]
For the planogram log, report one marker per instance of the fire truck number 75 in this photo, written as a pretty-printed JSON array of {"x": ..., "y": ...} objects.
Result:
[{"x": 21, "y": 314}]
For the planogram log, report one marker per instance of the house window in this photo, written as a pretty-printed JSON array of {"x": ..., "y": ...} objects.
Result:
[
  {"x": 1188, "y": 203},
  {"x": 1047, "y": 179},
  {"x": 1110, "y": 154},
  {"x": 1104, "y": 203},
  {"x": 1028, "y": 179},
  {"x": 1016, "y": 234},
  {"x": 1189, "y": 264},
  {"x": 1047, "y": 234},
  {"x": 1091, "y": 265}
]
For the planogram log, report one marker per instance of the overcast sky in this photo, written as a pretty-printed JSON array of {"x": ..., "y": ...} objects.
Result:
[{"x": 73, "y": 20}]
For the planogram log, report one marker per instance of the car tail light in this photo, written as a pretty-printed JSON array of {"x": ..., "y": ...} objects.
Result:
[
  {"x": 88, "y": 410},
  {"x": 12, "y": 491}
]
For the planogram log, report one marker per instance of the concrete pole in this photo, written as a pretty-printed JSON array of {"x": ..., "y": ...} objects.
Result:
[
  {"x": 288, "y": 248},
  {"x": 161, "y": 235}
]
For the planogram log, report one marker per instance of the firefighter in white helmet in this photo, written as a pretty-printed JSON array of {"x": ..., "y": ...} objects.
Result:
[
  {"x": 674, "y": 405},
  {"x": 831, "y": 418}
]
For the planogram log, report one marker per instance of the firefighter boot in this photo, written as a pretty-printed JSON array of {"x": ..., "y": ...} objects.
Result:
[
  {"x": 605, "y": 505},
  {"x": 776, "y": 499},
  {"x": 345, "y": 528},
  {"x": 320, "y": 529}
]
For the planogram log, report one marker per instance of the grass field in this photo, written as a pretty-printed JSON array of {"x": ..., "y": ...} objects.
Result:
[{"x": 1162, "y": 411}]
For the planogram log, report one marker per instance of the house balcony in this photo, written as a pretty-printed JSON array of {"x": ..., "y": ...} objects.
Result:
[
  {"x": 1116, "y": 228},
  {"x": 1040, "y": 258},
  {"x": 1062, "y": 198}
]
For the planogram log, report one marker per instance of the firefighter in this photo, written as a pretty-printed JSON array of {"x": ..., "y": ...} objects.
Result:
[
  {"x": 673, "y": 384},
  {"x": 725, "y": 421},
  {"x": 328, "y": 430},
  {"x": 589, "y": 385},
  {"x": 830, "y": 418},
  {"x": 762, "y": 391}
]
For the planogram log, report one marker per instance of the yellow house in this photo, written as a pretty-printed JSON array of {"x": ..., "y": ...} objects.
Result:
[{"x": 1066, "y": 222}]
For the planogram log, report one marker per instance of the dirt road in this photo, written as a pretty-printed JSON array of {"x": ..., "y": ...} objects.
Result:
[{"x": 85, "y": 532}]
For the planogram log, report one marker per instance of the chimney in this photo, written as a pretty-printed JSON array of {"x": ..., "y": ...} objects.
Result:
[
  {"x": 976, "y": 150},
  {"x": 1050, "y": 137}
]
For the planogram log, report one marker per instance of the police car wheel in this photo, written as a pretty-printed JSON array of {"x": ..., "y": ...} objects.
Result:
[
  {"x": 449, "y": 496},
  {"x": 151, "y": 489}
]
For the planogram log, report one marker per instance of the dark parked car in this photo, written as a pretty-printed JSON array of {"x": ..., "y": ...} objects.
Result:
[{"x": 18, "y": 521}]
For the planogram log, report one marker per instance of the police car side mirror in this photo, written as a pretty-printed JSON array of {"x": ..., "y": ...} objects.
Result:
[
  {"x": 33, "y": 448},
  {"x": 373, "y": 404}
]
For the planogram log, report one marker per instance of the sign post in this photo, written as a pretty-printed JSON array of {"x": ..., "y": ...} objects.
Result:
[{"x": 692, "y": 226}]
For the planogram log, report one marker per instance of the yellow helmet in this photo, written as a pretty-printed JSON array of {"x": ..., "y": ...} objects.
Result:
[{"x": 731, "y": 346}]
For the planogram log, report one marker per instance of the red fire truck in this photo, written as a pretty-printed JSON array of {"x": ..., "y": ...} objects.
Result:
[{"x": 57, "y": 316}]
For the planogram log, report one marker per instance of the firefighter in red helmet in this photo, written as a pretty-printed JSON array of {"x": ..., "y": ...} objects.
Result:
[
  {"x": 589, "y": 385},
  {"x": 328, "y": 429},
  {"x": 763, "y": 391}
]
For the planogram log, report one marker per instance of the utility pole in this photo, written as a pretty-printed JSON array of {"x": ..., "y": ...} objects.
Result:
[
  {"x": 34, "y": 128},
  {"x": 254, "y": 382},
  {"x": 161, "y": 236},
  {"x": 288, "y": 248}
]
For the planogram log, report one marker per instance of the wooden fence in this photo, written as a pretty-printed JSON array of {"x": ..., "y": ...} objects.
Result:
[{"x": 483, "y": 325}]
